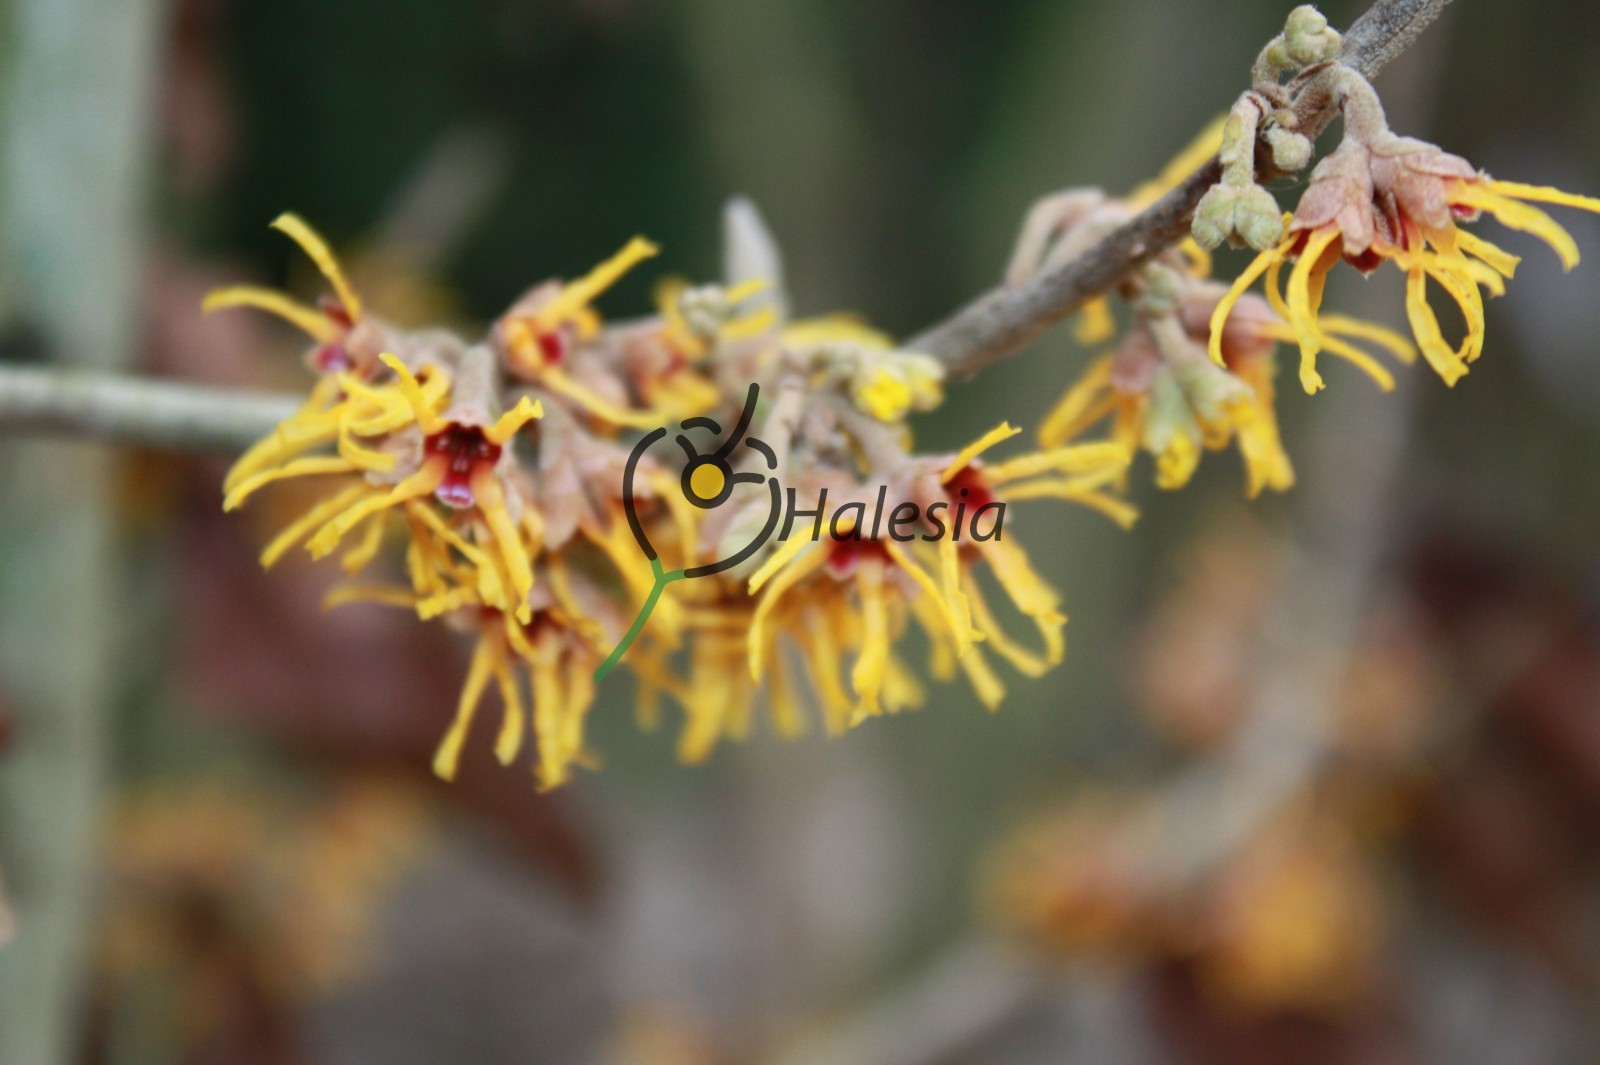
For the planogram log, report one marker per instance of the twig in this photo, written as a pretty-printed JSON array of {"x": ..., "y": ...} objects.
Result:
[
  {"x": 1002, "y": 321},
  {"x": 994, "y": 326},
  {"x": 156, "y": 413}
]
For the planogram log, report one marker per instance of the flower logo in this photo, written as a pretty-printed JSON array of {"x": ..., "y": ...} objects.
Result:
[{"x": 707, "y": 482}]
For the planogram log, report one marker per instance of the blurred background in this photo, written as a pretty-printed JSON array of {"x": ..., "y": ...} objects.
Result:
[{"x": 1318, "y": 782}]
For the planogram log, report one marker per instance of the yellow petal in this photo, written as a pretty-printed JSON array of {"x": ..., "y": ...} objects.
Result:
[
  {"x": 1515, "y": 215},
  {"x": 512, "y": 724},
  {"x": 427, "y": 418},
  {"x": 1302, "y": 308},
  {"x": 1546, "y": 194},
  {"x": 576, "y": 295},
  {"x": 308, "y": 320},
  {"x": 1499, "y": 260},
  {"x": 448, "y": 756},
  {"x": 787, "y": 550},
  {"x": 786, "y": 578},
  {"x": 424, "y": 481},
  {"x": 512, "y": 421},
  {"x": 311, "y": 519},
  {"x": 1081, "y": 458},
  {"x": 925, "y": 582},
  {"x": 559, "y": 382},
  {"x": 872, "y": 660},
  {"x": 964, "y": 457},
  {"x": 1095, "y": 323},
  {"x": 1384, "y": 337},
  {"x": 311, "y": 242},
  {"x": 1440, "y": 355},
  {"x": 317, "y": 465},
  {"x": 1374, "y": 369},
  {"x": 491, "y": 502},
  {"x": 1219, "y": 316},
  {"x": 1080, "y": 407}
]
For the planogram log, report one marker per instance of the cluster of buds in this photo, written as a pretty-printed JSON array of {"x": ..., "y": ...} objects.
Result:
[{"x": 1237, "y": 210}]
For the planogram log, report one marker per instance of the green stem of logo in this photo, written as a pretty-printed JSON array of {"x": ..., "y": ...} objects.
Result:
[{"x": 662, "y": 580}]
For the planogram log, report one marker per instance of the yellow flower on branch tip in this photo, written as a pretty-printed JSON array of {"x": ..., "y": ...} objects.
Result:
[
  {"x": 1424, "y": 241},
  {"x": 846, "y": 596}
]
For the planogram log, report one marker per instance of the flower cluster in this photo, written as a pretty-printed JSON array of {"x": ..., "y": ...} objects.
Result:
[
  {"x": 496, "y": 467},
  {"x": 515, "y": 469},
  {"x": 1379, "y": 197},
  {"x": 1156, "y": 390}
]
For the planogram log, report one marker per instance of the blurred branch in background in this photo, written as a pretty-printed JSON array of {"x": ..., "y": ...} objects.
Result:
[
  {"x": 73, "y": 153},
  {"x": 996, "y": 325},
  {"x": 158, "y": 413}
]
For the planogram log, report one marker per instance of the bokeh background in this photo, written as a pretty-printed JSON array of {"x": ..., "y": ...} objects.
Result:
[{"x": 1318, "y": 782}]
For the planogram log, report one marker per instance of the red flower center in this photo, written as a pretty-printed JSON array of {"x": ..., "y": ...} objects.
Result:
[
  {"x": 553, "y": 346},
  {"x": 464, "y": 448},
  {"x": 968, "y": 486},
  {"x": 845, "y": 555}
]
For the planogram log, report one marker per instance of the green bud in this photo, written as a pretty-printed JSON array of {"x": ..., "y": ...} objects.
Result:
[
  {"x": 1290, "y": 150},
  {"x": 1307, "y": 38},
  {"x": 1257, "y": 219},
  {"x": 1237, "y": 215}
]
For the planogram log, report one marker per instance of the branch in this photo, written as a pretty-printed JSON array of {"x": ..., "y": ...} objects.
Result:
[
  {"x": 996, "y": 325},
  {"x": 1001, "y": 322},
  {"x": 129, "y": 410}
]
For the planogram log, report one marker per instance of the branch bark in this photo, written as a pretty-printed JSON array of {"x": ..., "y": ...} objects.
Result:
[
  {"x": 133, "y": 410},
  {"x": 994, "y": 326}
]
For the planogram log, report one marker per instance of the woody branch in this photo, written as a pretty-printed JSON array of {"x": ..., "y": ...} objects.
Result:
[{"x": 996, "y": 325}]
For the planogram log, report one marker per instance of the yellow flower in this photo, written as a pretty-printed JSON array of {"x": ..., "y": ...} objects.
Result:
[
  {"x": 556, "y": 647},
  {"x": 395, "y": 445},
  {"x": 539, "y": 336},
  {"x": 1159, "y": 392},
  {"x": 1402, "y": 202},
  {"x": 850, "y": 599},
  {"x": 838, "y": 599}
]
